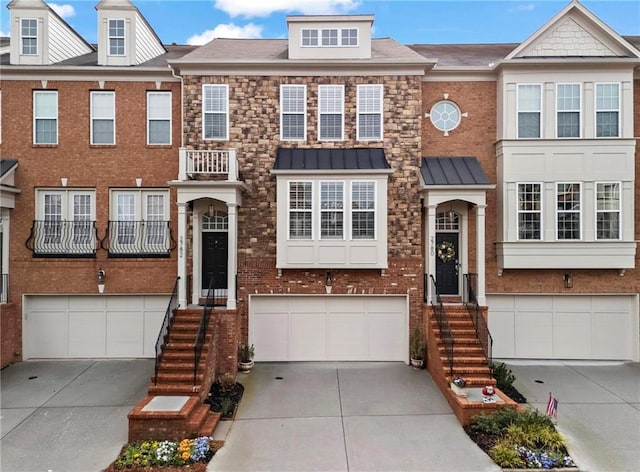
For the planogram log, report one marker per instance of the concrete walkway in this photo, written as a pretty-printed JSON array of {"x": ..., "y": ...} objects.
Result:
[
  {"x": 344, "y": 417},
  {"x": 598, "y": 410},
  {"x": 67, "y": 416}
]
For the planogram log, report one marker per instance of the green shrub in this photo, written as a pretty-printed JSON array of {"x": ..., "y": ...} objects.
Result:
[
  {"x": 496, "y": 422},
  {"x": 505, "y": 455},
  {"x": 503, "y": 375},
  {"x": 226, "y": 406}
]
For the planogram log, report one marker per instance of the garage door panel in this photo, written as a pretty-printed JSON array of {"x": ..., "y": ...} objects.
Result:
[
  {"x": 611, "y": 304},
  {"x": 346, "y": 305},
  {"x": 534, "y": 303},
  {"x": 48, "y": 304},
  {"x": 307, "y": 305},
  {"x": 572, "y": 304},
  {"x": 385, "y": 334},
  {"x": 611, "y": 338},
  {"x": 502, "y": 329},
  {"x": 384, "y": 305},
  {"x": 152, "y": 324},
  {"x": 533, "y": 338},
  {"x": 347, "y": 336},
  {"x": 51, "y": 339},
  {"x": 269, "y": 333},
  {"x": 80, "y": 303},
  {"x": 571, "y": 335},
  {"x": 126, "y": 303},
  {"x": 124, "y": 332},
  {"x": 86, "y": 334},
  {"x": 308, "y": 337}
]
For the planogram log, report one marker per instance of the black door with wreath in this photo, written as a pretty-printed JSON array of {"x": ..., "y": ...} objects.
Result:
[
  {"x": 447, "y": 263},
  {"x": 214, "y": 259}
]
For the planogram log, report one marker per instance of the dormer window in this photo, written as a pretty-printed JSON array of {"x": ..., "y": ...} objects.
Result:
[
  {"x": 309, "y": 37},
  {"x": 349, "y": 37},
  {"x": 116, "y": 37},
  {"x": 29, "y": 36},
  {"x": 329, "y": 37}
]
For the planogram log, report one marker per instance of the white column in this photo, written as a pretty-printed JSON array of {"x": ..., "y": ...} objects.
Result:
[
  {"x": 182, "y": 164},
  {"x": 232, "y": 255},
  {"x": 431, "y": 248},
  {"x": 196, "y": 259},
  {"x": 182, "y": 254},
  {"x": 480, "y": 241}
]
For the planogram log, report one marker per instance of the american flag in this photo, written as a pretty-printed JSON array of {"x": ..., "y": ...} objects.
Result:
[{"x": 552, "y": 406}]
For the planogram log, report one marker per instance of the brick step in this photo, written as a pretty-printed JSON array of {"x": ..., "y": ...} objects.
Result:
[
  {"x": 185, "y": 336},
  {"x": 173, "y": 389},
  {"x": 467, "y": 361},
  {"x": 174, "y": 346},
  {"x": 465, "y": 349},
  {"x": 181, "y": 356},
  {"x": 210, "y": 424},
  {"x": 176, "y": 378},
  {"x": 471, "y": 370},
  {"x": 176, "y": 365},
  {"x": 198, "y": 416},
  {"x": 461, "y": 322},
  {"x": 476, "y": 380}
]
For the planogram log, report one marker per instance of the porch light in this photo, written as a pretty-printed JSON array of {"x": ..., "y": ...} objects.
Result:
[
  {"x": 212, "y": 210},
  {"x": 568, "y": 281}
]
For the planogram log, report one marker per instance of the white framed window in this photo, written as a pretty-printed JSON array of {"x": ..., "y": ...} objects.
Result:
[
  {"x": 607, "y": 210},
  {"x": 530, "y": 211},
  {"x": 332, "y": 210},
  {"x": 116, "y": 38},
  {"x": 568, "y": 110},
  {"x": 65, "y": 222},
  {"x": 103, "y": 117},
  {"x": 329, "y": 37},
  {"x": 45, "y": 117},
  {"x": 363, "y": 210},
  {"x": 529, "y": 110},
  {"x": 293, "y": 112},
  {"x": 29, "y": 36},
  {"x": 300, "y": 210},
  {"x": 568, "y": 211},
  {"x": 139, "y": 222},
  {"x": 330, "y": 112},
  {"x": 369, "y": 114},
  {"x": 309, "y": 37},
  {"x": 607, "y": 110},
  {"x": 349, "y": 37},
  {"x": 215, "y": 110},
  {"x": 158, "y": 117}
]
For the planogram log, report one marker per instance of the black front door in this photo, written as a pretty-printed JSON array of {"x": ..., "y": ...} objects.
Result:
[
  {"x": 447, "y": 263},
  {"x": 214, "y": 260}
]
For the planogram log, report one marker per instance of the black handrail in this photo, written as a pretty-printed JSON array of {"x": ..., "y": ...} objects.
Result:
[
  {"x": 446, "y": 335},
  {"x": 480, "y": 324},
  {"x": 202, "y": 330},
  {"x": 163, "y": 336},
  {"x": 4, "y": 290}
]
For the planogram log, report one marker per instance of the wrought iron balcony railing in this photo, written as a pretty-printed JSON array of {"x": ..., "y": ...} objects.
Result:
[
  {"x": 57, "y": 238},
  {"x": 139, "y": 239}
]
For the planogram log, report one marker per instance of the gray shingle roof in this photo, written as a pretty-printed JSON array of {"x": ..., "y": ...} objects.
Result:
[
  {"x": 6, "y": 165},
  {"x": 452, "y": 171},
  {"x": 464, "y": 54},
  {"x": 331, "y": 159}
]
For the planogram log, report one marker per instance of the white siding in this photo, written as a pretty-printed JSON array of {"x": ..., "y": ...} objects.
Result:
[
  {"x": 64, "y": 43},
  {"x": 147, "y": 46}
]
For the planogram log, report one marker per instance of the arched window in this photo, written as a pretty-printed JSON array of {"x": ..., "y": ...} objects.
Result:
[
  {"x": 218, "y": 222},
  {"x": 447, "y": 221}
]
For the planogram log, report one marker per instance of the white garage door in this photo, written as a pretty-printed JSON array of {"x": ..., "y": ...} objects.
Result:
[
  {"x": 92, "y": 326},
  {"x": 564, "y": 326},
  {"x": 329, "y": 328}
]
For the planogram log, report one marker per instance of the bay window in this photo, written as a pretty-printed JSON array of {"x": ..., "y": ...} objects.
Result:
[
  {"x": 607, "y": 210},
  {"x": 568, "y": 211}
]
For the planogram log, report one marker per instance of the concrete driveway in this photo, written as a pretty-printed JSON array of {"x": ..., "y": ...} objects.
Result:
[
  {"x": 344, "y": 417},
  {"x": 67, "y": 416},
  {"x": 598, "y": 410}
]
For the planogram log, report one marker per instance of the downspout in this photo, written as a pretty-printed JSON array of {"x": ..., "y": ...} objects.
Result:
[{"x": 181, "y": 103}]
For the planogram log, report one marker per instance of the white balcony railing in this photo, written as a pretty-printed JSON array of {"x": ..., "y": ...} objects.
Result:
[{"x": 208, "y": 162}]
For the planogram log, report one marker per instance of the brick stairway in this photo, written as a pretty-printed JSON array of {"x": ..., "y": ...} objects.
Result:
[{"x": 175, "y": 378}]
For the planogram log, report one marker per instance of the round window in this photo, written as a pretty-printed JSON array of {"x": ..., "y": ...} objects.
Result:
[{"x": 445, "y": 115}]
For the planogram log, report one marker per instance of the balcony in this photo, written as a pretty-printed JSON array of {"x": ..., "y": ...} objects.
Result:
[
  {"x": 138, "y": 239},
  {"x": 56, "y": 238},
  {"x": 210, "y": 164}
]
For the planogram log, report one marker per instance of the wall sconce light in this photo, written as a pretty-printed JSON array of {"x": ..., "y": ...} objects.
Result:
[
  {"x": 451, "y": 214},
  {"x": 100, "y": 277},
  {"x": 328, "y": 283},
  {"x": 568, "y": 281}
]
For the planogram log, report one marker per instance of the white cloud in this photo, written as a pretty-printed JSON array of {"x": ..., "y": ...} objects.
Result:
[
  {"x": 65, "y": 11},
  {"x": 523, "y": 7},
  {"x": 250, "y": 8},
  {"x": 3, "y": 34},
  {"x": 228, "y": 30}
]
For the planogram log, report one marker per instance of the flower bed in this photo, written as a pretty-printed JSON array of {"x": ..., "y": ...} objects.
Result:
[{"x": 166, "y": 456}]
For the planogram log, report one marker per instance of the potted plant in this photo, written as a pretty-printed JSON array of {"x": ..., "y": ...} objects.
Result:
[
  {"x": 245, "y": 358},
  {"x": 416, "y": 348}
]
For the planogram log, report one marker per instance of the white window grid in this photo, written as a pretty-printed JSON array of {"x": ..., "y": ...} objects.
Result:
[
  {"x": 568, "y": 211},
  {"x": 45, "y": 117},
  {"x": 329, "y": 37},
  {"x": 29, "y": 36},
  {"x": 57, "y": 206},
  {"x": 159, "y": 118},
  {"x": 332, "y": 204},
  {"x": 215, "y": 111},
  {"x": 447, "y": 221},
  {"x": 300, "y": 210},
  {"x": 363, "y": 210},
  {"x": 309, "y": 37},
  {"x": 608, "y": 210},
  {"x": 568, "y": 110},
  {"x": 349, "y": 37},
  {"x": 607, "y": 105},
  {"x": 529, "y": 211},
  {"x": 331, "y": 112},
  {"x": 369, "y": 113},
  {"x": 116, "y": 37},
  {"x": 131, "y": 206},
  {"x": 293, "y": 112},
  {"x": 219, "y": 221},
  {"x": 103, "y": 118},
  {"x": 529, "y": 112}
]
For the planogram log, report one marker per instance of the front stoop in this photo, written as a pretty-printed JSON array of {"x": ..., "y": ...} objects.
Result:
[{"x": 186, "y": 418}]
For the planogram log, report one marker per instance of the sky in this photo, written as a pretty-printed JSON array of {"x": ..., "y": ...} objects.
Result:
[{"x": 407, "y": 21}]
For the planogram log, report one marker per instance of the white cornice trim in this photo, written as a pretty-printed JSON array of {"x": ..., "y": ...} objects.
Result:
[{"x": 76, "y": 73}]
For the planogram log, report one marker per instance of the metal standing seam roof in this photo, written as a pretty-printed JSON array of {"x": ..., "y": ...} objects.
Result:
[
  {"x": 331, "y": 159},
  {"x": 452, "y": 171}
]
